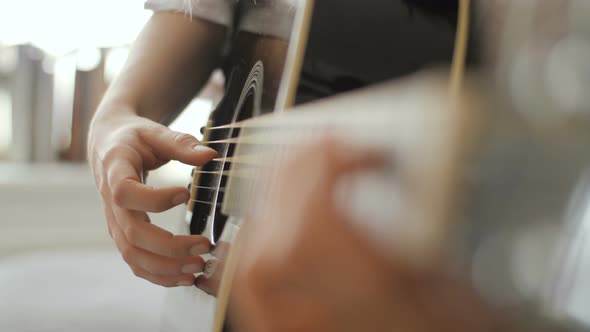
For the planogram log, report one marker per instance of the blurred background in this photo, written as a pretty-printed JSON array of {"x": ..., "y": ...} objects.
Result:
[
  {"x": 56, "y": 60},
  {"x": 59, "y": 270}
]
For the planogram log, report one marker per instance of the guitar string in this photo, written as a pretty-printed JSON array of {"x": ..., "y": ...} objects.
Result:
[
  {"x": 244, "y": 141},
  {"x": 263, "y": 122},
  {"x": 455, "y": 85},
  {"x": 239, "y": 124}
]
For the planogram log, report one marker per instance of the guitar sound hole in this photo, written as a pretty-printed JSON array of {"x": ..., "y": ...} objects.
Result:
[
  {"x": 208, "y": 218},
  {"x": 246, "y": 112}
]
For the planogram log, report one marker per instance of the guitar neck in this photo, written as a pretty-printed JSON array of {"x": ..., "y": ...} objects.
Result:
[{"x": 413, "y": 124}]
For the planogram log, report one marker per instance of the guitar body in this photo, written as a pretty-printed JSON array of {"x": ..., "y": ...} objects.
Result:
[
  {"x": 309, "y": 56},
  {"x": 413, "y": 123}
]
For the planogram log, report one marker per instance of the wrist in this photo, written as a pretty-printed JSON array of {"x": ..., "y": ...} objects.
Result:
[
  {"x": 108, "y": 116},
  {"x": 113, "y": 109}
]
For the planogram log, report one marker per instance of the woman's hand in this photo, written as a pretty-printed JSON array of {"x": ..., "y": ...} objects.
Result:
[
  {"x": 170, "y": 62},
  {"x": 122, "y": 148},
  {"x": 305, "y": 267}
]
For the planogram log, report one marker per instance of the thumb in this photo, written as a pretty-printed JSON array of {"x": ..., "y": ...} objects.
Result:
[{"x": 171, "y": 145}]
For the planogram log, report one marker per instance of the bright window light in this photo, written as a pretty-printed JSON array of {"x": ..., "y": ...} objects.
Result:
[
  {"x": 114, "y": 62},
  {"x": 61, "y": 26},
  {"x": 88, "y": 58}
]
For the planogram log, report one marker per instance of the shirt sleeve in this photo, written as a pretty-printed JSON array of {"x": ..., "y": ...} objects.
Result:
[{"x": 217, "y": 11}]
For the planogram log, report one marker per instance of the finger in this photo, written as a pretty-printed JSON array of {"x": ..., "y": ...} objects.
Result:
[
  {"x": 172, "y": 145},
  {"x": 139, "y": 232},
  {"x": 327, "y": 160},
  {"x": 175, "y": 281},
  {"x": 210, "y": 280},
  {"x": 208, "y": 285},
  {"x": 154, "y": 264},
  {"x": 332, "y": 158},
  {"x": 136, "y": 196},
  {"x": 342, "y": 158},
  {"x": 250, "y": 304},
  {"x": 128, "y": 192}
]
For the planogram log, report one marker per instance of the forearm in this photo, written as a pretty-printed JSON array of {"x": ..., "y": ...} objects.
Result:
[{"x": 169, "y": 63}]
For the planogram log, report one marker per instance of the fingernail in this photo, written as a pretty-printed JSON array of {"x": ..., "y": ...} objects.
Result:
[
  {"x": 191, "y": 268},
  {"x": 209, "y": 269},
  {"x": 186, "y": 283},
  {"x": 199, "y": 249},
  {"x": 203, "y": 149},
  {"x": 180, "y": 198}
]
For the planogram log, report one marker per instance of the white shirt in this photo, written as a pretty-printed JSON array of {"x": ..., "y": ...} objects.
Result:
[
  {"x": 217, "y": 11},
  {"x": 268, "y": 17}
]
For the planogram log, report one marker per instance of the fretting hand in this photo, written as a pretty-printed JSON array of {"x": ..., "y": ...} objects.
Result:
[{"x": 305, "y": 267}]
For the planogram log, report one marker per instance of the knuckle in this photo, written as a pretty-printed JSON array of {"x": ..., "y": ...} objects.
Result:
[
  {"x": 182, "y": 138},
  {"x": 176, "y": 251},
  {"x": 112, "y": 153},
  {"x": 128, "y": 255},
  {"x": 165, "y": 246},
  {"x": 150, "y": 129},
  {"x": 119, "y": 194},
  {"x": 132, "y": 234},
  {"x": 122, "y": 190}
]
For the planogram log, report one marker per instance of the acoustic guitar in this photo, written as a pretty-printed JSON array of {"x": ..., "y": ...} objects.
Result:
[
  {"x": 267, "y": 72},
  {"x": 428, "y": 124}
]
